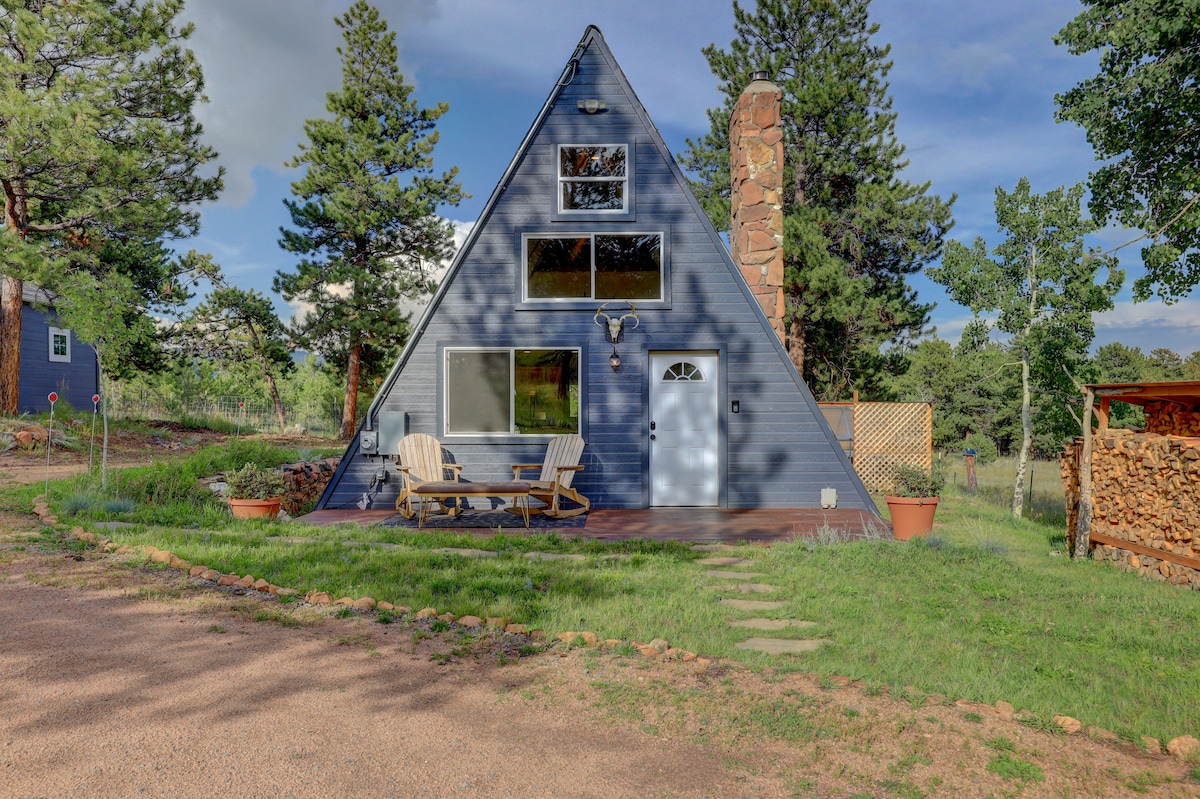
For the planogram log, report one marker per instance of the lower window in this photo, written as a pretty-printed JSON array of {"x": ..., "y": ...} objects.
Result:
[{"x": 512, "y": 391}]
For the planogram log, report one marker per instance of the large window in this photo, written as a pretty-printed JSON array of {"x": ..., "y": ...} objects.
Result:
[
  {"x": 602, "y": 266},
  {"x": 60, "y": 345},
  {"x": 512, "y": 391},
  {"x": 593, "y": 178}
]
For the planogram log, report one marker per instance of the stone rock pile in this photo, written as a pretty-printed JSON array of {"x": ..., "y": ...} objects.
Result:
[{"x": 305, "y": 481}]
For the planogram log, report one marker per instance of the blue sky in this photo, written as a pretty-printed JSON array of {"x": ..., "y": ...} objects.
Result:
[{"x": 973, "y": 83}]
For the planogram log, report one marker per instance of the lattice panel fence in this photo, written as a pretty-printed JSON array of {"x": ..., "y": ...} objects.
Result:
[{"x": 887, "y": 433}]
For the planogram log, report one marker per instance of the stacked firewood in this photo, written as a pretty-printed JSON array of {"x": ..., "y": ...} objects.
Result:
[
  {"x": 305, "y": 482},
  {"x": 1150, "y": 567},
  {"x": 1171, "y": 418},
  {"x": 1068, "y": 467},
  {"x": 1146, "y": 489}
]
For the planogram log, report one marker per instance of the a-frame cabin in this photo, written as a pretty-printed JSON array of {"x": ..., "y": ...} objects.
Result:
[{"x": 704, "y": 407}]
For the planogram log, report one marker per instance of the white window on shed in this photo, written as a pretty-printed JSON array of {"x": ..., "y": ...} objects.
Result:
[{"x": 60, "y": 345}]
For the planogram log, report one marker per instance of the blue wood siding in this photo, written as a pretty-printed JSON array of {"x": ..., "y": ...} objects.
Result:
[
  {"x": 777, "y": 452},
  {"x": 75, "y": 382}
]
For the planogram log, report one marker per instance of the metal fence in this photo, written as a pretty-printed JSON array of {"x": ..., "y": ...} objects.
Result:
[{"x": 248, "y": 412}]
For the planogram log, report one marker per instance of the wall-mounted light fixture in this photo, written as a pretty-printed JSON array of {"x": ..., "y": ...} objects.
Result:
[
  {"x": 614, "y": 329},
  {"x": 591, "y": 105}
]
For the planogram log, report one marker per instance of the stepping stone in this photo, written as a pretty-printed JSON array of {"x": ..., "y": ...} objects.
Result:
[
  {"x": 722, "y": 561},
  {"x": 553, "y": 556},
  {"x": 771, "y": 624},
  {"x": 781, "y": 646},
  {"x": 724, "y": 575},
  {"x": 468, "y": 553},
  {"x": 749, "y": 588},
  {"x": 713, "y": 547},
  {"x": 752, "y": 604}
]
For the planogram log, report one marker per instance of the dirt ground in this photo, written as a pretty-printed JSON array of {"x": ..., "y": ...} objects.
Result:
[{"x": 118, "y": 680}]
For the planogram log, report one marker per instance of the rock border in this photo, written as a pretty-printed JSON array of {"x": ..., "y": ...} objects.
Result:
[{"x": 1183, "y": 747}]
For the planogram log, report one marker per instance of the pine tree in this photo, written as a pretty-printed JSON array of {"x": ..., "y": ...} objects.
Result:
[
  {"x": 98, "y": 145},
  {"x": 366, "y": 239},
  {"x": 853, "y": 229},
  {"x": 238, "y": 329}
]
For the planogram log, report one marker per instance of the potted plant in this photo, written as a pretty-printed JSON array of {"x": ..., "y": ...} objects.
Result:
[
  {"x": 913, "y": 500},
  {"x": 253, "y": 492}
]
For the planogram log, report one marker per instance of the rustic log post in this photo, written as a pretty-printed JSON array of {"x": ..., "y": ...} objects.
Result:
[
  {"x": 972, "y": 480},
  {"x": 1083, "y": 512}
]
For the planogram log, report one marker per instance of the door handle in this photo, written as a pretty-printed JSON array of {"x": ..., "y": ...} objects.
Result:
[{"x": 652, "y": 425}]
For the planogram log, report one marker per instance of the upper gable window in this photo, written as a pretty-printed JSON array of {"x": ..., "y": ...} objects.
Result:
[{"x": 593, "y": 179}]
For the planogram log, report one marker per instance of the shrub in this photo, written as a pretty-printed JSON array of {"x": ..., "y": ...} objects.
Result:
[
  {"x": 912, "y": 481},
  {"x": 252, "y": 482}
]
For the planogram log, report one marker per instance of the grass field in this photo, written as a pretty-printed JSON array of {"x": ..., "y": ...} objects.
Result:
[{"x": 987, "y": 608}]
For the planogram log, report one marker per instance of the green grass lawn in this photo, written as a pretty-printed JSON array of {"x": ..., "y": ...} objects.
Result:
[{"x": 986, "y": 609}]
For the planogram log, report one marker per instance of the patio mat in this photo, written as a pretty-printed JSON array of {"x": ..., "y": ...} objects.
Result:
[{"x": 481, "y": 519}]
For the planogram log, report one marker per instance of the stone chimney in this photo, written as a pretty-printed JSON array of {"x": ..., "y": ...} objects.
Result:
[{"x": 756, "y": 187}]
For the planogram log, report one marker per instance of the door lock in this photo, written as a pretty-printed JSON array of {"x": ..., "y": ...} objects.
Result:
[{"x": 652, "y": 437}]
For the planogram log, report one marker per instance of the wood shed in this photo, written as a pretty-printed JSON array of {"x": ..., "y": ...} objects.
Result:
[{"x": 1133, "y": 496}]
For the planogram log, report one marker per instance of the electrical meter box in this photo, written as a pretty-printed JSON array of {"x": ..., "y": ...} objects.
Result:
[{"x": 390, "y": 427}]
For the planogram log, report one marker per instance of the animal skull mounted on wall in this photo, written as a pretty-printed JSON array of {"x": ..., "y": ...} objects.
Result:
[{"x": 614, "y": 329}]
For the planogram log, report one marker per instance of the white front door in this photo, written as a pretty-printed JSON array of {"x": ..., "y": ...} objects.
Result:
[{"x": 684, "y": 431}]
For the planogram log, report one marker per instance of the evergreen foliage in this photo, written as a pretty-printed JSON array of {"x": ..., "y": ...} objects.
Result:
[
  {"x": 365, "y": 212},
  {"x": 1043, "y": 287},
  {"x": 100, "y": 153},
  {"x": 973, "y": 388},
  {"x": 238, "y": 329},
  {"x": 854, "y": 230},
  {"x": 1142, "y": 116}
]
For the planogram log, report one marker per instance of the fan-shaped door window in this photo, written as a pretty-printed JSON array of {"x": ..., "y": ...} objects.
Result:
[{"x": 683, "y": 372}]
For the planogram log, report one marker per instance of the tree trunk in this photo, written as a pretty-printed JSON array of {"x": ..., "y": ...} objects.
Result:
[
  {"x": 262, "y": 364},
  {"x": 1018, "y": 504},
  {"x": 275, "y": 398},
  {"x": 350, "y": 405},
  {"x": 1083, "y": 512},
  {"x": 104, "y": 411},
  {"x": 795, "y": 344},
  {"x": 10, "y": 344}
]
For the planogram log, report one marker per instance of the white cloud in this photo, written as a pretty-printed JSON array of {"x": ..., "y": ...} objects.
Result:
[
  {"x": 1183, "y": 317},
  {"x": 268, "y": 65}
]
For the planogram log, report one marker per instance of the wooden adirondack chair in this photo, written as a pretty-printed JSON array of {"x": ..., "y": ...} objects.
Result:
[
  {"x": 558, "y": 469},
  {"x": 421, "y": 462}
]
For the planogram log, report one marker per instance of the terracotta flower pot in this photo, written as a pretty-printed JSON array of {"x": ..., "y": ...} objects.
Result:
[
  {"x": 911, "y": 516},
  {"x": 255, "y": 508}
]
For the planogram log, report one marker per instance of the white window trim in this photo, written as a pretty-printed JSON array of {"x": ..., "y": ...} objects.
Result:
[
  {"x": 59, "y": 331},
  {"x": 512, "y": 390},
  {"x": 626, "y": 195},
  {"x": 662, "y": 265}
]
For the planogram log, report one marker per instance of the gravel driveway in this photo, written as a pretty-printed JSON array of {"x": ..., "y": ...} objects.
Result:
[{"x": 106, "y": 695}]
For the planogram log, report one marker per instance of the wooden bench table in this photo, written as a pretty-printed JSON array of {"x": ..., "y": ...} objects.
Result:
[{"x": 517, "y": 491}]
